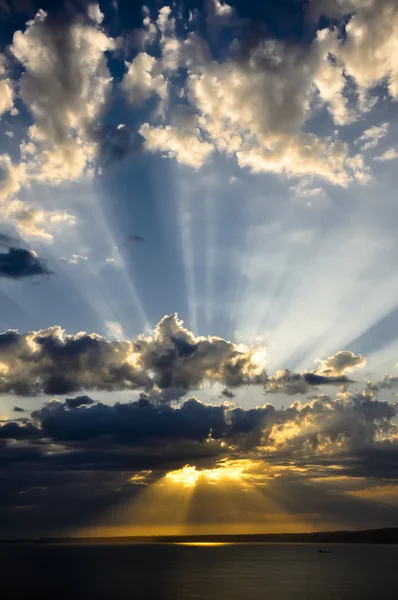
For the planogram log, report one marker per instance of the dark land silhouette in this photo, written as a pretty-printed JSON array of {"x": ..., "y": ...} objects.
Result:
[{"x": 368, "y": 536}]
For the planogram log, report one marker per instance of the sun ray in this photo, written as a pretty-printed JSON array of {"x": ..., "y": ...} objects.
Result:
[{"x": 185, "y": 215}]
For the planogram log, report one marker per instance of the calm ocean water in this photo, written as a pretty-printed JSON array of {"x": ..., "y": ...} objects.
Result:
[{"x": 176, "y": 572}]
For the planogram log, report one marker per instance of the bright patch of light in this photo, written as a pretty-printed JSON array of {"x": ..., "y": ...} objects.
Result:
[{"x": 189, "y": 476}]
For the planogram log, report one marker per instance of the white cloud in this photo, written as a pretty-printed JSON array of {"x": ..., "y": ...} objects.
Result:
[
  {"x": 114, "y": 330},
  {"x": 330, "y": 80},
  {"x": 390, "y": 154},
  {"x": 256, "y": 107},
  {"x": 6, "y": 96},
  {"x": 340, "y": 364},
  {"x": 95, "y": 13},
  {"x": 369, "y": 49},
  {"x": 143, "y": 79},
  {"x": 184, "y": 144},
  {"x": 75, "y": 259},
  {"x": 29, "y": 221},
  {"x": 6, "y": 90},
  {"x": 116, "y": 259},
  {"x": 65, "y": 86},
  {"x": 222, "y": 9},
  {"x": 33, "y": 222},
  {"x": 170, "y": 46},
  {"x": 372, "y": 136}
]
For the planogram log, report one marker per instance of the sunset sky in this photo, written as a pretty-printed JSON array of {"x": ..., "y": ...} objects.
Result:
[{"x": 198, "y": 266}]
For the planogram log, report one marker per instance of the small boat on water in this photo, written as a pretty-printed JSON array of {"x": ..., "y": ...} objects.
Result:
[{"x": 325, "y": 551}]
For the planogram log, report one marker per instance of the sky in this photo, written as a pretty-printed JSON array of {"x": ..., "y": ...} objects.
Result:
[{"x": 197, "y": 266}]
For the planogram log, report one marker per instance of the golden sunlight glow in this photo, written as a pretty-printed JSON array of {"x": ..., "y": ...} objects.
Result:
[
  {"x": 134, "y": 359},
  {"x": 190, "y": 476},
  {"x": 206, "y": 544},
  {"x": 234, "y": 497}
]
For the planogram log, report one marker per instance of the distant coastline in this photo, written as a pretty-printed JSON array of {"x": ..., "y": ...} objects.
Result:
[{"x": 368, "y": 536}]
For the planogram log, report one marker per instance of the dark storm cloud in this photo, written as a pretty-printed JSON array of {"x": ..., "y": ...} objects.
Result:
[
  {"x": 322, "y": 426},
  {"x": 314, "y": 379},
  {"x": 227, "y": 393},
  {"x": 52, "y": 362},
  {"x": 18, "y": 263},
  {"x": 297, "y": 383},
  {"x": 133, "y": 423},
  {"x": 87, "y": 454},
  {"x": 78, "y": 401},
  {"x": 16, "y": 431}
]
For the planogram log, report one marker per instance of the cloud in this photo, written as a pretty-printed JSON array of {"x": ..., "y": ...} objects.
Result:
[
  {"x": 227, "y": 393},
  {"x": 390, "y": 154},
  {"x": 220, "y": 12},
  {"x": 350, "y": 424},
  {"x": 368, "y": 48},
  {"x": 277, "y": 84},
  {"x": 173, "y": 358},
  {"x": 6, "y": 96},
  {"x": 185, "y": 144},
  {"x": 18, "y": 431},
  {"x": 75, "y": 259},
  {"x": 6, "y": 88},
  {"x": 65, "y": 86},
  {"x": 72, "y": 403},
  {"x": 371, "y": 137},
  {"x": 221, "y": 8},
  {"x": 114, "y": 330},
  {"x": 33, "y": 222},
  {"x": 293, "y": 384},
  {"x": 143, "y": 79},
  {"x": 330, "y": 371},
  {"x": 341, "y": 363},
  {"x": 30, "y": 221},
  {"x": 18, "y": 263}
]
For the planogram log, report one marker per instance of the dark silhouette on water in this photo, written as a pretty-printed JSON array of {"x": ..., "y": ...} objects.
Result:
[{"x": 325, "y": 551}]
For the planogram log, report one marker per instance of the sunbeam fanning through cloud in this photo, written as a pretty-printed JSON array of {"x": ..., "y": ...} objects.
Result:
[{"x": 198, "y": 278}]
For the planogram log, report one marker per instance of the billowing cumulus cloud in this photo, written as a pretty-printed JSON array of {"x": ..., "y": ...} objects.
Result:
[
  {"x": 342, "y": 444},
  {"x": 277, "y": 84},
  {"x": 65, "y": 85},
  {"x": 369, "y": 51},
  {"x": 341, "y": 363},
  {"x": 53, "y": 362},
  {"x": 78, "y": 401},
  {"x": 143, "y": 79},
  {"x": 320, "y": 427},
  {"x": 330, "y": 371},
  {"x": 18, "y": 263}
]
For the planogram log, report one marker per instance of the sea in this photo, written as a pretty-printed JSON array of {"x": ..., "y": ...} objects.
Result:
[{"x": 185, "y": 572}]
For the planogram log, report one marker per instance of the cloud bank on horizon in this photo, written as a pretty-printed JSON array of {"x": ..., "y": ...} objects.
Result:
[
  {"x": 347, "y": 441},
  {"x": 208, "y": 89}
]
